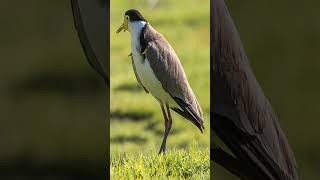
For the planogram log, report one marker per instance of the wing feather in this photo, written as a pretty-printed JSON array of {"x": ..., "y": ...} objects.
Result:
[
  {"x": 243, "y": 117},
  {"x": 168, "y": 70}
]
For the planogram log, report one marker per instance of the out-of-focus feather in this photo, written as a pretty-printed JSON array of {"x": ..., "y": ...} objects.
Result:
[{"x": 242, "y": 116}]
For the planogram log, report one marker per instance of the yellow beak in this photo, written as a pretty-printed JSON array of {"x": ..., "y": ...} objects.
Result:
[{"x": 124, "y": 25}]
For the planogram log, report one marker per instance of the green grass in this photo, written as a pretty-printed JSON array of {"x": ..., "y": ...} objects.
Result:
[
  {"x": 193, "y": 163},
  {"x": 137, "y": 125}
]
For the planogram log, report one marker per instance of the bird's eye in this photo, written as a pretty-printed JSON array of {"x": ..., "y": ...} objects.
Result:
[{"x": 128, "y": 17}]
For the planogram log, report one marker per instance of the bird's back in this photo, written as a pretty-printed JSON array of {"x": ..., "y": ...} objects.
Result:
[{"x": 169, "y": 71}]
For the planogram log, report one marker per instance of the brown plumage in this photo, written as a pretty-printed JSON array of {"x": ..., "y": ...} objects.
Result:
[
  {"x": 168, "y": 70},
  {"x": 242, "y": 115}
]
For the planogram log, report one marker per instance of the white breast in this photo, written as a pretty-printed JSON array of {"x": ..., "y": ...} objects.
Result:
[{"x": 145, "y": 72}]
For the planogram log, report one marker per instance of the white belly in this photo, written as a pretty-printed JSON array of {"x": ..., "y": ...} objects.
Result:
[
  {"x": 150, "y": 81},
  {"x": 144, "y": 71}
]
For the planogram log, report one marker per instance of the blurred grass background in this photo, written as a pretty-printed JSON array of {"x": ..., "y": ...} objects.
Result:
[
  {"x": 281, "y": 39},
  {"x": 52, "y": 104},
  {"x": 137, "y": 123}
]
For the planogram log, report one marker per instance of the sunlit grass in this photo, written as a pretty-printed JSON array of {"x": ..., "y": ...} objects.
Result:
[
  {"x": 191, "y": 163},
  {"x": 135, "y": 141}
]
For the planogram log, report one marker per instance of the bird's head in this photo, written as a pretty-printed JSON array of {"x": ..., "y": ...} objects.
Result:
[{"x": 131, "y": 16}]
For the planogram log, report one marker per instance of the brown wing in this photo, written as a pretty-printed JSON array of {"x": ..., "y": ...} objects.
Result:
[
  {"x": 242, "y": 116},
  {"x": 168, "y": 69}
]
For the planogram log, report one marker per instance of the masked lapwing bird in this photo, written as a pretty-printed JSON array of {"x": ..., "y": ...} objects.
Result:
[{"x": 159, "y": 71}]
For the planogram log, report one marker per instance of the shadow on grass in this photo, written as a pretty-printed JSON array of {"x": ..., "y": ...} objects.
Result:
[
  {"x": 124, "y": 139},
  {"x": 129, "y": 87},
  {"x": 48, "y": 82},
  {"x": 183, "y": 145},
  {"x": 130, "y": 115},
  {"x": 173, "y": 131},
  {"x": 153, "y": 126}
]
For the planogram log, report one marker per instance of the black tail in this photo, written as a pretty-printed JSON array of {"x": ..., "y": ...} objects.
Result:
[{"x": 189, "y": 113}]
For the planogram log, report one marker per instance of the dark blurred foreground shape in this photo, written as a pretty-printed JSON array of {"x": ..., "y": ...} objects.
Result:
[
  {"x": 91, "y": 23},
  {"x": 242, "y": 116}
]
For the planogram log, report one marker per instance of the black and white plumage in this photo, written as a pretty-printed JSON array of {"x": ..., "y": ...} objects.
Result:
[{"x": 159, "y": 71}]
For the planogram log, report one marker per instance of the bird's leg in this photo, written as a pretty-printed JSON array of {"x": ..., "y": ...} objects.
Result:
[
  {"x": 167, "y": 124},
  {"x": 162, "y": 148}
]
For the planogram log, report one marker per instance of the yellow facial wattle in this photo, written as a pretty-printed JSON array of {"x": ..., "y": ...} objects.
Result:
[{"x": 124, "y": 25}]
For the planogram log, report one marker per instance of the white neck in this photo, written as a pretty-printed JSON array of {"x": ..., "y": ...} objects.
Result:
[{"x": 135, "y": 27}]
